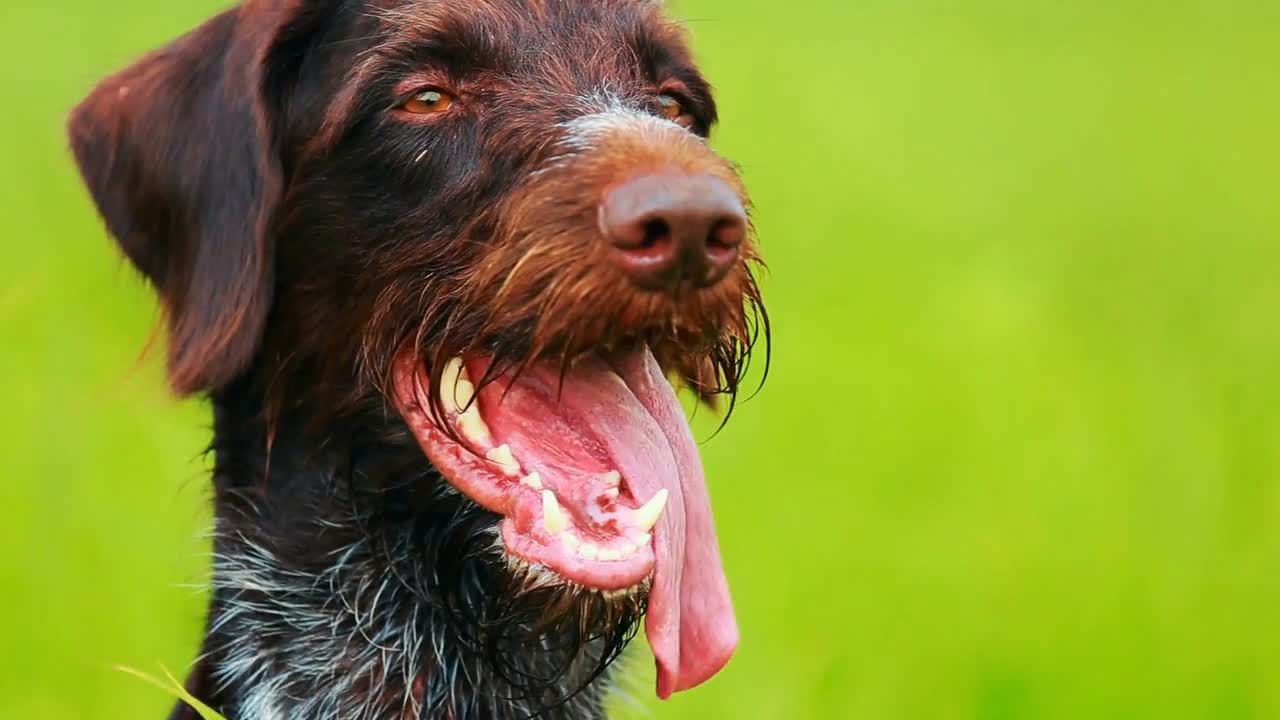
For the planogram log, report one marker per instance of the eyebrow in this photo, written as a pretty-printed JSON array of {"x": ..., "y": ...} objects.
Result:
[{"x": 472, "y": 40}]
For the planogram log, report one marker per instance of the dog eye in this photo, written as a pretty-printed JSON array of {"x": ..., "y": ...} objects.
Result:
[
  {"x": 431, "y": 101},
  {"x": 670, "y": 107}
]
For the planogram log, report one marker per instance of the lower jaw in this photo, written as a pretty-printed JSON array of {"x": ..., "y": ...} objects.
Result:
[{"x": 621, "y": 577}]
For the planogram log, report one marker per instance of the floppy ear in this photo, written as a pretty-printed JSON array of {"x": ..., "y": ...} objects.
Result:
[{"x": 179, "y": 153}]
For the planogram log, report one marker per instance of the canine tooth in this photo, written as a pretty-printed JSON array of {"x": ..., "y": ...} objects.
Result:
[
  {"x": 533, "y": 480},
  {"x": 553, "y": 516},
  {"x": 502, "y": 456},
  {"x": 589, "y": 551},
  {"x": 628, "y": 550},
  {"x": 647, "y": 516},
  {"x": 453, "y": 371},
  {"x": 463, "y": 393},
  {"x": 570, "y": 540},
  {"x": 474, "y": 427},
  {"x": 611, "y": 493},
  {"x": 455, "y": 386},
  {"x": 613, "y": 479},
  {"x": 610, "y": 555},
  {"x": 643, "y": 539}
]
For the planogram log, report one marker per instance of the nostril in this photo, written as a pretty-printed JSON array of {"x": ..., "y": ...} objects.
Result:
[
  {"x": 656, "y": 232},
  {"x": 723, "y": 244},
  {"x": 727, "y": 234}
]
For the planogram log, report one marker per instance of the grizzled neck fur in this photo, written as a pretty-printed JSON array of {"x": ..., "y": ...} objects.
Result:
[{"x": 352, "y": 582}]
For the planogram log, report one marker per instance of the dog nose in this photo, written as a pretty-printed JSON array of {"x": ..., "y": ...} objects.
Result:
[{"x": 669, "y": 230}]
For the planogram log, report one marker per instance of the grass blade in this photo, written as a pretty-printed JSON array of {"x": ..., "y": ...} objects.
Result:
[{"x": 174, "y": 688}]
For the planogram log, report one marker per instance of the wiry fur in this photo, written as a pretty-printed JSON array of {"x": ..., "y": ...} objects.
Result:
[
  {"x": 305, "y": 236},
  {"x": 344, "y": 585}
]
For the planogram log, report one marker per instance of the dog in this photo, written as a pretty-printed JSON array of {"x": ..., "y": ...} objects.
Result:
[{"x": 439, "y": 265}]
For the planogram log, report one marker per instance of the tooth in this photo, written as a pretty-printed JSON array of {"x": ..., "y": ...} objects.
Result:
[
  {"x": 453, "y": 371},
  {"x": 533, "y": 480},
  {"x": 611, "y": 493},
  {"x": 463, "y": 393},
  {"x": 647, "y": 516},
  {"x": 570, "y": 540},
  {"x": 455, "y": 384},
  {"x": 553, "y": 516},
  {"x": 628, "y": 550},
  {"x": 474, "y": 428},
  {"x": 643, "y": 540},
  {"x": 502, "y": 456},
  {"x": 610, "y": 555},
  {"x": 613, "y": 479},
  {"x": 589, "y": 551}
]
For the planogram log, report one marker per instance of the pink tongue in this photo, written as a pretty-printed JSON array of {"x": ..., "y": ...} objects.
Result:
[
  {"x": 691, "y": 626},
  {"x": 640, "y": 425}
]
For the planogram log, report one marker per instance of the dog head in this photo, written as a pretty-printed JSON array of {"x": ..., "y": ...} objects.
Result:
[{"x": 499, "y": 219}]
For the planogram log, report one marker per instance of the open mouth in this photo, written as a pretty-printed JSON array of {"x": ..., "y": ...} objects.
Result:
[
  {"x": 597, "y": 478},
  {"x": 546, "y": 462}
]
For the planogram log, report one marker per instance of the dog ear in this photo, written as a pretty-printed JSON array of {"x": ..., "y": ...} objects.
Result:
[{"x": 180, "y": 154}]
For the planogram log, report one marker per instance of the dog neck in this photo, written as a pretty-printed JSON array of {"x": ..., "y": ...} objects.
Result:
[{"x": 351, "y": 581}]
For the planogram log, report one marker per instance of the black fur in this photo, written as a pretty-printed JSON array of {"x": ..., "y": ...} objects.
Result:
[
  {"x": 346, "y": 573},
  {"x": 304, "y": 234}
]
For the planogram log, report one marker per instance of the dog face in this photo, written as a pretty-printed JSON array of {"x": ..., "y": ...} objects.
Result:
[
  {"x": 474, "y": 222},
  {"x": 499, "y": 219}
]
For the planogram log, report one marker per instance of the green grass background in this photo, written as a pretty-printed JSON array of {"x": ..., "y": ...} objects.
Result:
[{"x": 1020, "y": 453}]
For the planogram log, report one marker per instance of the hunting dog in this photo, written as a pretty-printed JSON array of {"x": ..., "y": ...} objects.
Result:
[{"x": 437, "y": 264}]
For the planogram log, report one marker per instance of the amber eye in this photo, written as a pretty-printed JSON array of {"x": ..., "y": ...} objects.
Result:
[
  {"x": 428, "y": 102},
  {"x": 670, "y": 108}
]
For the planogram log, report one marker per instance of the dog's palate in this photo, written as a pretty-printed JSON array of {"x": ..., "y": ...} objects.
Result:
[{"x": 598, "y": 480}]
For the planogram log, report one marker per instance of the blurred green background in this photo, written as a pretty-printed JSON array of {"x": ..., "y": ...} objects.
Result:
[{"x": 1019, "y": 456}]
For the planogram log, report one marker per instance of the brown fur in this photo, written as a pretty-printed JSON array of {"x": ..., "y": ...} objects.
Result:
[{"x": 305, "y": 234}]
